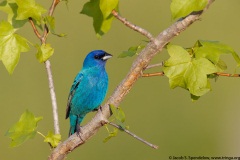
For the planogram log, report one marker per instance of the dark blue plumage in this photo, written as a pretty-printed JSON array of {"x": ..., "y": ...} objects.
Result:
[{"x": 88, "y": 89}]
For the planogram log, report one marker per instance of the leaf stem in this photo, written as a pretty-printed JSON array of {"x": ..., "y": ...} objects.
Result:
[
  {"x": 41, "y": 134},
  {"x": 134, "y": 135},
  {"x": 132, "y": 26},
  {"x": 34, "y": 28}
]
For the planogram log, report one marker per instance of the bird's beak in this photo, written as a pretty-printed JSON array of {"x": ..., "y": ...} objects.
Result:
[{"x": 106, "y": 56}]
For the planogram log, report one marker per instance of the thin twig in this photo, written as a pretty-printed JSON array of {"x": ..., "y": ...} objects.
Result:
[
  {"x": 132, "y": 26},
  {"x": 152, "y": 74},
  {"x": 154, "y": 65},
  {"x": 34, "y": 28},
  {"x": 43, "y": 39},
  {"x": 49, "y": 73},
  {"x": 134, "y": 135},
  {"x": 227, "y": 74},
  {"x": 53, "y": 97},
  {"x": 50, "y": 13},
  {"x": 53, "y": 6}
]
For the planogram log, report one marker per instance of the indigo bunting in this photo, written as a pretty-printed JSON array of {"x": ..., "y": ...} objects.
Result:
[{"x": 88, "y": 89}]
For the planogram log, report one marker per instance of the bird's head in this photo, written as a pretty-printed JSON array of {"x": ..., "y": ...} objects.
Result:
[{"x": 96, "y": 58}]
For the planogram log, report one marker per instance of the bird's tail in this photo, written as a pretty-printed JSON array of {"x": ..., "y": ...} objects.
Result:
[{"x": 75, "y": 122}]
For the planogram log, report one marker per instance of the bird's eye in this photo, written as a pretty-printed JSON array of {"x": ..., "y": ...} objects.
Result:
[{"x": 97, "y": 57}]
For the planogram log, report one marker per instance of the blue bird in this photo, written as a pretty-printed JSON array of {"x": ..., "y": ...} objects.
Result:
[{"x": 88, "y": 89}]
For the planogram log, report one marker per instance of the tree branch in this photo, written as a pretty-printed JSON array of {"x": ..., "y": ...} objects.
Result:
[
  {"x": 121, "y": 91},
  {"x": 43, "y": 39},
  {"x": 134, "y": 135},
  {"x": 49, "y": 73},
  {"x": 132, "y": 26}
]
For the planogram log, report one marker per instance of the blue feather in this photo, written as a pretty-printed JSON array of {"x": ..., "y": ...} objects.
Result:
[{"x": 88, "y": 89}]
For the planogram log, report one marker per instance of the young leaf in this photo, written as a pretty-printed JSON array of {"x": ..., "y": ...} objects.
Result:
[
  {"x": 53, "y": 139},
  {"x": 181, "y": 8},
  {"x": 118, "y": 115},
  {"x": 11, "y": 45},
  {"x": 29, "y": 8},
  {"x": 131, "y": 51},
  {"x": 50, "y": 22},
  {"x": 102, "y": 21},
  {"x": 44, "y": 52},
  {"x": 24, "y": 129},
  {"x": 111, "y": 134},
  {"x": 212, "y": 50},
  {"x": 11, "y": 9},
  {"x": 187, "y": 72},
  {"x": 107, "y": 6}
]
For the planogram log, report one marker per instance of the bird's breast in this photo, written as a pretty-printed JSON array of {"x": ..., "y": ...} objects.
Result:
[{"x": 90, "y": 93}]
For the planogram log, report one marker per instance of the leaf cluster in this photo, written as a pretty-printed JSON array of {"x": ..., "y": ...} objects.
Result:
[
  {"x": 11, "y": 43},
  {"x": 191, "y": 68}
]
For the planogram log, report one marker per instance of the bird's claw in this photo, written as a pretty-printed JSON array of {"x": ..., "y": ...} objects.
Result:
[
  {"x": 78, "y": 130},
  {"x": 99, "y": 108}
]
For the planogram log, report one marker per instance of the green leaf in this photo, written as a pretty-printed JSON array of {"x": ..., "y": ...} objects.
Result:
[
  {"x": 127, "y": 54},
  {"x": 106, "y": 6},
  {"x": 119, "y": 116},
  {"x": 188, "y": 72},
  {"x": 118, "y": 113},
  {"x": 44, "y": 52},
  {"x": 53, "y": 139},
  {"x": 24, "y": 129},
  {"x": 102, "y": 19},
  {"x": 131, "y": 51},
  {"x": 50, "y": 21},
  {"x": 11, "y": 9},
  {"x": 212, "y": 50},
  {"x": 181, "y": 8},
  {"x": 111, "y": 134},
  {"x": 29, "y": 8},
  {"x": 11, "y": 45}
]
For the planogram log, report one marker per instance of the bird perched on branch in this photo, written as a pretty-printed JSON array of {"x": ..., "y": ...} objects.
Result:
[{"x": 88, "y": 89}]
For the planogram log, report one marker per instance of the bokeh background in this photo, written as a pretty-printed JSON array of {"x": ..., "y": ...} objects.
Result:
[{"x": 165, "y": 117}]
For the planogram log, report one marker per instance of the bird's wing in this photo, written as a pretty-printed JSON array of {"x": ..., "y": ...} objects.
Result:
[{"x": 75, "y": 84}]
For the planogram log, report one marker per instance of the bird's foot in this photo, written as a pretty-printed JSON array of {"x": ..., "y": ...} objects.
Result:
[
  {"x": 99, "y": 108},
  {"x": 79, "y": 131}
]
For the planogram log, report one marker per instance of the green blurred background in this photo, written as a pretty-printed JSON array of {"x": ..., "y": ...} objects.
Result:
[{"x": 165, "y": 117}]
